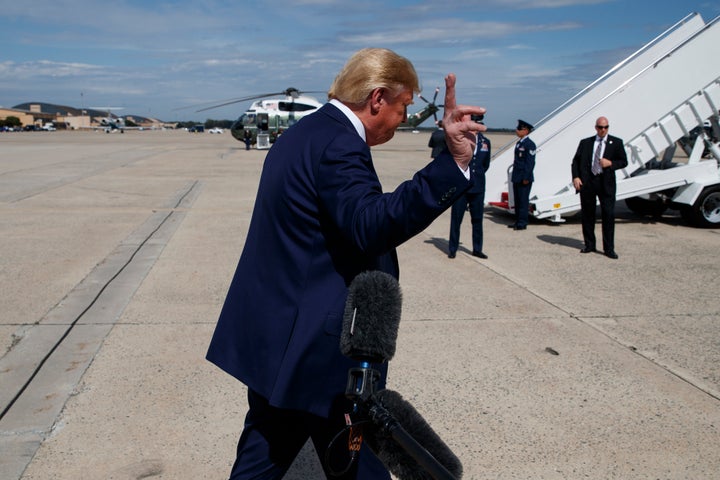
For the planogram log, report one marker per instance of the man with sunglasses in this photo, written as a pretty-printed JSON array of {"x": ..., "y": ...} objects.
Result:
[{"x": 593, "y": 172}]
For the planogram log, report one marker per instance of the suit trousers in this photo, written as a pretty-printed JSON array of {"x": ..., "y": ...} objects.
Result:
[
  {"x": 272, "y": 437},
  {"x": 591, "y": 190},
  {"x": 476, "y": 201},
  {"x": 521, "y": 193}
]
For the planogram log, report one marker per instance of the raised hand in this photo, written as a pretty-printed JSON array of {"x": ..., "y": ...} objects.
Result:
[{"x": 460, "y": 130}]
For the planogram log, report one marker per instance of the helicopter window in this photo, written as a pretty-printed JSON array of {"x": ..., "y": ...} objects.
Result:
[
  {"x": 279, "y": 121},
  {"x": 247, "y": 119},
  {"x": 294, "y": 107}
]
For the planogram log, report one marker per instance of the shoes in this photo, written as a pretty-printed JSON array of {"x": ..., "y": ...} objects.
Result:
[
  {"x": 512, "y": 225},
  {"x": 612, "y": 255},
  {"x": 479, "y": 255},
  {"x": 451, "y": 255},
  {"x": 587, "y": 250},
  {"x": 516, "y": 227}
]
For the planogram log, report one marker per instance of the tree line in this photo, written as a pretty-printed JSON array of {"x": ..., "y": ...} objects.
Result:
[{"x": 209, "y": 123}]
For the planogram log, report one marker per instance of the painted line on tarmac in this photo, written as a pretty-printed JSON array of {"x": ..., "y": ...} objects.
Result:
[{"x": 40, "y": 373}]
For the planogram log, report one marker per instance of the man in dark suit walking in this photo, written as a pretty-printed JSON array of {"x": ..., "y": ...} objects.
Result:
[
  {"x": 321, "y": 218},
  {"x": 593, "y": 171}
]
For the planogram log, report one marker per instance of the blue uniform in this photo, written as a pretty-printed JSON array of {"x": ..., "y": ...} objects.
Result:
[
  {"x": 474, "y": 198},
  {"x": 522, "y": 179}
]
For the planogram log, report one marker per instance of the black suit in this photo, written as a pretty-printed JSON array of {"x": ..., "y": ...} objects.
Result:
[
  {"x": 600, "y": 186},
  {"x": 437, "y": 142}
]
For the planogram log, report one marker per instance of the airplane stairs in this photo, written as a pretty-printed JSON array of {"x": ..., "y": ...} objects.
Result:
[{"x": 652, "y": 99}]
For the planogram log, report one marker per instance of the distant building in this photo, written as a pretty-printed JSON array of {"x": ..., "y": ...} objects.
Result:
[
  {"x": 25, "y": 117},
  {"x": 70, "y": 118}
]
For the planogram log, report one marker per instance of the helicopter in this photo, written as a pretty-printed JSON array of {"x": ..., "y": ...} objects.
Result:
[
  {"x": 431, "y": 109},
  {"x": 270, "y": 117}
]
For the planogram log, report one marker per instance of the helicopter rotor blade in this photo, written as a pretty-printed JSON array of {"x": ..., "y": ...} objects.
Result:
[
  {"x": 437, "y": 110},
  {"x": 291, "y": 92},
  {"x": 230, "y": 101},
  {"x": 437, "y": 89},
  {"x": 238, "y": 100}
]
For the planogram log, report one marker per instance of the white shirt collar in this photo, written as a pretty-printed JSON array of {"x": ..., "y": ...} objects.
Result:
[{"x": 351, "y": 116}]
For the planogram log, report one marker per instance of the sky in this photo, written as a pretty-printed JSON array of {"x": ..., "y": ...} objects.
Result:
[{"x": 168, "y": 58}]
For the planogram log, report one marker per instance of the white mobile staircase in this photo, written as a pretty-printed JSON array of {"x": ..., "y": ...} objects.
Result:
[{"x": 652, "y": 99}]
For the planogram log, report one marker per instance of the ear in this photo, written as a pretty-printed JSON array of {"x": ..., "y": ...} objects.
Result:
[{"x": 377, "y": 97}]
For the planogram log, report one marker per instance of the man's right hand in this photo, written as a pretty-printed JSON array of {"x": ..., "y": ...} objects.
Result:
[{"x": 460, "y": 130}]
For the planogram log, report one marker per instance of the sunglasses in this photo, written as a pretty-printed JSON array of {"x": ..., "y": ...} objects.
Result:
[{"x": 602, "y": 127}]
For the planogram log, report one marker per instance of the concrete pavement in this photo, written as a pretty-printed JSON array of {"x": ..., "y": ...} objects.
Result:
[{"x": 539, "y": 362}]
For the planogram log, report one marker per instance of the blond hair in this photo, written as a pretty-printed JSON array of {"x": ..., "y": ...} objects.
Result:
[{"x": 372, "y": 68}]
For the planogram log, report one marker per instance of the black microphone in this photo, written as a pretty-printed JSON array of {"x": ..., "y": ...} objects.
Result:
[
  {"x": 372, "y": 317},
  {"x": 405, "y": 443}
]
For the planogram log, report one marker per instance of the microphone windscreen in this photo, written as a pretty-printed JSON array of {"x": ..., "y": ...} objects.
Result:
[
  {"x": 372, "y": 317},
  {"x": 397, "y": 460}
]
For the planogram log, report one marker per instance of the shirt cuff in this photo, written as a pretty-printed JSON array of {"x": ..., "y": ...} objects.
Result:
[{"x": 465, "y": 172}]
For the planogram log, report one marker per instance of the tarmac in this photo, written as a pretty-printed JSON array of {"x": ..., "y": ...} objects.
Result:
[{"x": 537, "y": 363}]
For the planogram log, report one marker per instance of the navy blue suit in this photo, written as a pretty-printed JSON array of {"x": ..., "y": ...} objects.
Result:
[
  {"x": 437, "y": 142},
  {"x": 474, "y": 198},
  {"x": 320, "y": 218},
  {"x": 523, "y": 166}
]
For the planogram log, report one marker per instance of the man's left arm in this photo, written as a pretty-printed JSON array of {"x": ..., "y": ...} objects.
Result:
[
  {"x": 529, "y": 162},
  {"x": 486, "y": 161},
  {"x": 531, "y": 157},
  {"x": 619, "y": 160}
]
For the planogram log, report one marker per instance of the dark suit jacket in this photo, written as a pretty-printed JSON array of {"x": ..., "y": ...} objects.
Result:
[
  {"x": 582, "y": 161},
  {"x": 437, "y": 142},
  {"x": 320, "y": 218}
]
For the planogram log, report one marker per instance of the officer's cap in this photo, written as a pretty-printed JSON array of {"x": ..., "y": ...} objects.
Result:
[{"x": 522, "y": 124}]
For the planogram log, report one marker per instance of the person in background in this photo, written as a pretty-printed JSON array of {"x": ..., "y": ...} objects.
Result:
[
  {"x": 522, "y": 174},
  {"x": 474, "y": 199},
  {"x": 593, "y": 174},
  {"x": 437, "y": 141},
  {"x": 247, "y": 138},
  {"x": 320, "y": 219}
]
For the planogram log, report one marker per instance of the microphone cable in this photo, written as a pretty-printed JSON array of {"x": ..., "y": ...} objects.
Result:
[{"x": 354, "y": 443}]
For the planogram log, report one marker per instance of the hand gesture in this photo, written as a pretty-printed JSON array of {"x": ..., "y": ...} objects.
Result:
[{"x": 460, "y": 130}]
